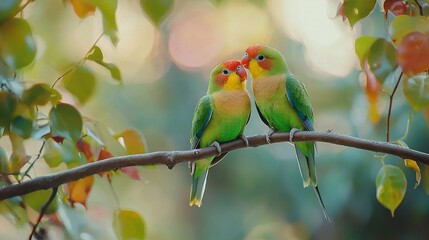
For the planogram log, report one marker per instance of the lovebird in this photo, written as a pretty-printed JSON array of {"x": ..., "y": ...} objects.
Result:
[
  {"x": 220, "y": 116},
  {"x": 283, "y": 105}
]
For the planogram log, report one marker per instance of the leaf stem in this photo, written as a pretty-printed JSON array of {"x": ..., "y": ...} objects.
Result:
[
  {"x": 419, "y": 6},
  {"x": 42, "y": 212},
  {"x": 390, "y": 106}
]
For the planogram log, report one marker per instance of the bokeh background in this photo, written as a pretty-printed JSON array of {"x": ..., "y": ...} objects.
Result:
[{"x": 253, "y": 193}]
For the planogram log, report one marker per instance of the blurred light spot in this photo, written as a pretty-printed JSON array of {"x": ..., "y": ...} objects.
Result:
[
  {"x": 243, "y": 25},
  {"x": 329, "y": 43},
  {"x": 195, "y": 38},
  {"x": 136, "y": 40}
]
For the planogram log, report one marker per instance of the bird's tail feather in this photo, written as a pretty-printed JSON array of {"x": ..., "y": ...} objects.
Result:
[
  {"x": 319, "y": 197},
  {"x": 307, "y": 165},
  {"x": 197, "y": 189}
]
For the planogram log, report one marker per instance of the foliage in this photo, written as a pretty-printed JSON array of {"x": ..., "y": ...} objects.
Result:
[
  {"x": 43, "y": 112},
  {"x": 405, "y": 48}
]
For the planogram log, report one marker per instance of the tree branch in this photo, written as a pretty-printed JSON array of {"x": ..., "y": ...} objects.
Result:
[{"x": 171, "y": 158}]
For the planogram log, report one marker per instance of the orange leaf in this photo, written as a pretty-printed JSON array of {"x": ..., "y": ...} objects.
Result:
[
  {"x": 82, "y": 8},
  {"x": 372, "y": 90},
  {"x": 78, "y": 191},
  {"x": 104, "y": 154},
  {"x": 85, "y": 148},
  {"x": 133, "y": 141},
  {"x": 413, "y": 53}
]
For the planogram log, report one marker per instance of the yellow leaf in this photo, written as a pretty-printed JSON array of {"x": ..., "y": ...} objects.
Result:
[
  {"x": 129, "y": 225},
  {"x": 391, "y": 186},
  {"x": 133, "y": 141},
  {"x": 82, "y": 8},
  {"x": 413, "y": 165},
  {"x": 78, "y": 190}
]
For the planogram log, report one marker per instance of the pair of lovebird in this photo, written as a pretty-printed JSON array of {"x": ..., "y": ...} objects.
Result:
[{"x": 221, "y": 115}]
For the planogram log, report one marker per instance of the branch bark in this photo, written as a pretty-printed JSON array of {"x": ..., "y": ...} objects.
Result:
[{"x": 171, "y": 158}]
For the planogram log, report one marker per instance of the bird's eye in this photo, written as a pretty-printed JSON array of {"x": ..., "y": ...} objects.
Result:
[
  {"x": 260, "y": 57},
  {"x": 225, "y": 71},
  {"x": 239, "y": 67}
]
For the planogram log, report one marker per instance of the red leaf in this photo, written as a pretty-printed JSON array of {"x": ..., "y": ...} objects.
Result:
[
  {"x": 58, "y": 139},
  {"x": 132, "y": 172},
  {"x": 397, "y": 7},
  {"x": 104, "y": 154},
  {"x": 85, "y": 148},
  {"x": 341, "y": 12},
  {"x": 413, "y": 53}
]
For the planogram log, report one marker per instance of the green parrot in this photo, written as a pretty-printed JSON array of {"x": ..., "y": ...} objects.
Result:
[
  {"x": 220, "y": 116},
  {"x": 283, "y": 105}
]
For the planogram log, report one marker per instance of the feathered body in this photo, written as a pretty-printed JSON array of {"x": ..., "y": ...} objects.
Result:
[
  {"x": 220, "y": 116},
  {"x": 283, "y": 104}
]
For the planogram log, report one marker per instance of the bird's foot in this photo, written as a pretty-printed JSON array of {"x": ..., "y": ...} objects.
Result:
[
  {"x": 244, "y": 138},
  {"x": 291, "y": 133},
  {"x": 268, "y": 135},
  {"x": 218, "y": 148}
]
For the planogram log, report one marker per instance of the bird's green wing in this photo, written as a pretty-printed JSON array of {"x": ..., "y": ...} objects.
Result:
[
  {"x": 202, "y": 116},
  {"x": 298, "y": 98}
]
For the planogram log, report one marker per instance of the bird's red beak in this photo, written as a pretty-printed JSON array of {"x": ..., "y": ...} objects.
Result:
[
  {"x": 245, "y": 61},
  {"x": 241, "y": 72}
]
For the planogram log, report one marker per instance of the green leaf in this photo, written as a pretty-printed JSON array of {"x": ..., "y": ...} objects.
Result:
[
  {"x": 36, "y": 200},
  {"x": 382, "y": 59},
  {"x": 403, "y": 24},
  {"x": 391, "y": 185},
  {"x": 108, "y": 9},
  {"x": 106, "y": 135},
  {"x": 8, "y": 103},
  {"x": 128, "y": 225},
  {"x": 157, "y": 10},
  {"x": 81, "y": 83},
  {"x": 70, "y": 155},
  {"x": 416, "y": 91},
  {"x": 66, "y": 121},
  {"x": 8, "y": 8},
  {"x": 356, "y": 10},
  {"x": 3, "y": 161},
  {"x": 22, "y": 126},
  {"x": 95, "y": 54},
  {"x": 114, "y": 70},
  {"x": 52, "y": 153},
  {"x": 18, "y": 47},
  {"x": 362, "y": 46},
  {"x": 40, "y": 94}
]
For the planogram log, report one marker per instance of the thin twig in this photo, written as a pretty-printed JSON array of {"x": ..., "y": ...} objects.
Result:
[
  {"x": 79, "y": 63},
  {"x": 34, "y": 161},
  {"x": 171, "y": 158},
  {"x": 42, "y": 212},
  {"x": 390, "y": 107}
]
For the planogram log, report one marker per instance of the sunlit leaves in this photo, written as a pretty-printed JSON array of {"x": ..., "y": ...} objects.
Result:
[
  {"x": 8, "y": 8},
  {"x": 79, "y": 190},
  {"x": 382, "y": 58},
  {"x": 362, "y": 46},
  {"x": 416, "y": 91},
  {"x": 413, "y": 52},
  {"x": 108, "y": 10},
  {"x": 36, "y": 200},
  {"x": 107, "y": 138},
  {"x": 18, "y": 157},
  {"x": 128, "y": 225},
  {"x": 391, "y": 185},
  {"x": 355, "y": 10},
  {"x": 82, "y": 8},
  {"x": 66, "y": 121},
  {"x": 402, "y": 25},
  {"x": 96, "y": 55},
  {"x": 157, "y": 10},
  {"x": 81, "y": 83},
  {"x": 18, "y": 47},
  {"x": 40, "y": 94}
]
